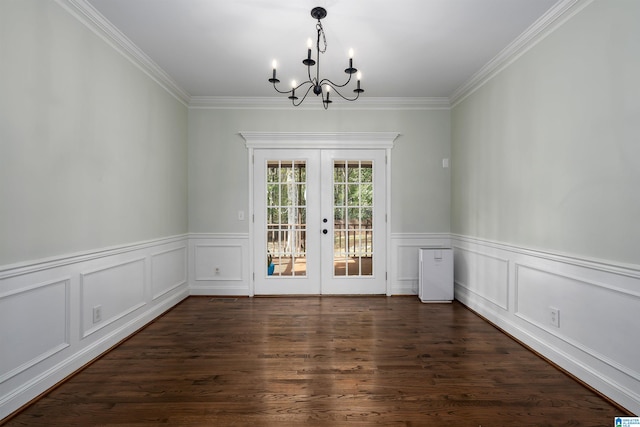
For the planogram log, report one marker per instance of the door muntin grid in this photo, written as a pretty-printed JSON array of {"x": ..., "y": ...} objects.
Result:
[
  {"x": 353, "y": 204},
  {"x": 286, "y": 214}
]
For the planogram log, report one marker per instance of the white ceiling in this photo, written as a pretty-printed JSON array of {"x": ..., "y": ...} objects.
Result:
[{"x": 404, "y": 48}]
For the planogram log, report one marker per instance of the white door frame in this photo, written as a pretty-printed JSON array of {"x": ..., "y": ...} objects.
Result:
[{"x": 319, "y": 140}]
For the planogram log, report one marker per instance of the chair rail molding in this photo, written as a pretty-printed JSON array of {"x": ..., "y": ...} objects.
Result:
[
  {"x": 75, "y": 307},
  {"x": 517, "y": 288}
]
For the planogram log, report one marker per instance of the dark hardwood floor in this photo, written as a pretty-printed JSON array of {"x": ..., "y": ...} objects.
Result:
[{"x": 311, "y": 361}]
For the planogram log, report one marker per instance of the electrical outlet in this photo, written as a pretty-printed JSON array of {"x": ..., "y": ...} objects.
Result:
[
  {"x": 97, "y": 314},
  {"x": 554, "y": 316}
]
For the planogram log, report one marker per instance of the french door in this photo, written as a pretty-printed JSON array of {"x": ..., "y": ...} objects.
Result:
[{"x": 319, "y": 221}]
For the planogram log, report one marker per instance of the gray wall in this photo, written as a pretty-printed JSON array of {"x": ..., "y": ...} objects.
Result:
[
  {"x": 545, "y": 198},
  {"x": 93, "y": 153},
  {"x": 218, "y": 164},
  {"x": 546, "y": 155}
]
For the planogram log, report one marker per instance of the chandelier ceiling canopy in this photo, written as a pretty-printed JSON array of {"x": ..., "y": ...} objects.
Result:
[{"x": 320, "y": 87}]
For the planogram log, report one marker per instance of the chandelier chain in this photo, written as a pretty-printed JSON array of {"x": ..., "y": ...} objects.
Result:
[{"x": 324, "y": 37}]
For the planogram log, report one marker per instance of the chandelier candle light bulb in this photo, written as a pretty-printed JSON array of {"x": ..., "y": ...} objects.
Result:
[
  {"x": 315, "y": 83},
  {"x": 293, "y": 96},
  {"x": 274, "y": 80},
  {"x": 327, "y": 101}
]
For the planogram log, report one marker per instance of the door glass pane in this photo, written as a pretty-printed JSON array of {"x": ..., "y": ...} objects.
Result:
[
  {"x": 353, "y": 218},
  {"x": 286, "y": 218}
]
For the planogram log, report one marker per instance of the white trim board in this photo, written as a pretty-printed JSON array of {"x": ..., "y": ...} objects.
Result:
[
  {"x": 84, "y": 12},
  {"x": 596, "y": 303},
  {"x": 279, "y": 103},
  {"x": 320, "y": 140},
  {"x": 60, "y": 296},
  {"x": 560, "y": 13},
  {"x": 549, "y": 22}
]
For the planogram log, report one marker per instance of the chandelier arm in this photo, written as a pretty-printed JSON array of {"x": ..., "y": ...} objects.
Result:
[
  {"x": 281, "y": 91},
  {"x": 323, "y": 81},
  {"x": 295, "y": 88},
  {"x": 335, "y": 90},
  {"x": 304, "y": 83},
  {"x": 293, "y": 101}
]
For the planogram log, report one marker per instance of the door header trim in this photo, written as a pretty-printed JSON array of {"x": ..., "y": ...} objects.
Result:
[{"x": 345, "y": 140}]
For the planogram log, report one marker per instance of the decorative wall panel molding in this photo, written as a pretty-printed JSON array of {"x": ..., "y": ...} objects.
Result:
[
  {"x": 48, "y": 328},
  {"x": 229, "y": 253},
  {"x": 25, "y": 313},
  {"x": 168, "y": 271},
  {"x": 116, "y": 291},
  {"x": 538, "y": 289},
  {"x": 485, "y": 275},
  {"x": 403, "y": 271},
  {"x": 594, "y": 306},
  {"x": 219, "y": 264}
]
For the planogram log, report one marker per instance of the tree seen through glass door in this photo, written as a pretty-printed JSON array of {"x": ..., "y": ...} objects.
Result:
[{"x": 286, "y": 218}]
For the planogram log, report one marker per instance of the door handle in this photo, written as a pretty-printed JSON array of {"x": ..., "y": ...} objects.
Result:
[
  {"x": 325, "y": 220},
  {"x": 325, "y": 231}
]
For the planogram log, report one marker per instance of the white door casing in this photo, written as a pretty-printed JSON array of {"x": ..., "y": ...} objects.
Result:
[{"x": 320, "y": 154}]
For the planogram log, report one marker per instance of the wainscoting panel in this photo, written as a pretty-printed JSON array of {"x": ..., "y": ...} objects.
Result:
[
  {"x": 115, "y": 291},
  {"x": 48, "y": 328},
  {"x": 26, "y": 312},
  {"x": 168, "y": 271},
  {"x": 219, "y": 264},
  {"x": 484, "y": 275},
  {"x": 403, "y": 271},
  {"x": 608, "y": 310},
  {"x": 596, "y": 305}
]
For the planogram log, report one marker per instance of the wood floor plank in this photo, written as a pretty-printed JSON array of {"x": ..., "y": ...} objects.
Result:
[{"x": 314, "y": 361}]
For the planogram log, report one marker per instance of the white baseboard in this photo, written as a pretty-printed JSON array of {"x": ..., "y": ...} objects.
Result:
[
  {"x": 515, "y": 288},
  {"x": 52, "y": 302}
]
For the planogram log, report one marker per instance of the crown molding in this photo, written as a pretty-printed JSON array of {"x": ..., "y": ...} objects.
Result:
[
  {"x": 545, "y": 25},
  {"x": 92, "y": 19},
  {"x": 96, "y": 22},
  {"x": 281, "y": 103}
]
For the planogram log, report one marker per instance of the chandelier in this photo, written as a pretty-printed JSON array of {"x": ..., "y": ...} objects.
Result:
[{"x": 320, "y": 87}]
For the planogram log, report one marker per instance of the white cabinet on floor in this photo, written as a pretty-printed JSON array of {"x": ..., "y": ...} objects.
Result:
[{"x": 435, "y": 275}]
